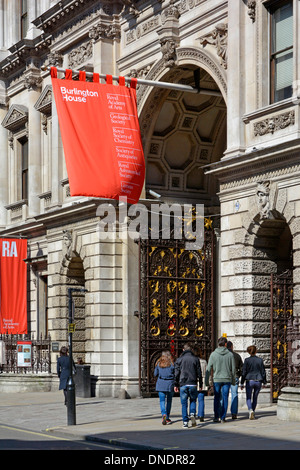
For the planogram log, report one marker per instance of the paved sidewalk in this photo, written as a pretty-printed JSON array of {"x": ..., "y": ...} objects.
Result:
[{"x": 136, "y": 424}]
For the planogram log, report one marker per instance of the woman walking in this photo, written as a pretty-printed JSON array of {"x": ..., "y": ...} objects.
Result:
[
  {"x": 63, "y": 370},
  {"x": 254, "y": 374},
  {"x": 165, "y": 372}
]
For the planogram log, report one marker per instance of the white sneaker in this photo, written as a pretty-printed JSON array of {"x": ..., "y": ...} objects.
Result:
[
  {"x": 251, "y": 414},
  {"x": 185, "y": 425},
  {"x": 193, "y": 421}
]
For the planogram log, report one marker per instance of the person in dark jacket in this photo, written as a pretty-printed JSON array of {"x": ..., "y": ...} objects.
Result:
[
  {"x": 187, "y": 375},
  {"x": 235, "y": 388},
  {"x": 254, "y": 374},
  {"x": 165, "y": 372},
  {"x": 63, "y": 370}
]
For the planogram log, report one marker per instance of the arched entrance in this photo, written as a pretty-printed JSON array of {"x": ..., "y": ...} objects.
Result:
[
  {"x": 182, "y": 133},
  {"x": 273, "y": 289}
]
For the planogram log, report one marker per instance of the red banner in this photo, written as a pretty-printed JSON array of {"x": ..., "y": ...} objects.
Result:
[
  {"x": 101, "y": 136},
  {"x": 13, "y": 286}
]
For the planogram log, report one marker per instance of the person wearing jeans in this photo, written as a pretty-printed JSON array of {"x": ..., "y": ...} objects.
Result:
[
  {"x": 221, "y": 391},
  {"x": 222, "y": 364},
  {"x": 253, "y": 388},
  {"x": 165, "y": 401},
  {"x": 254, "y": 374},
  {"x": 187, "y": 375},
  {"x": 235, "y": 387},
  {"x": 188, "y": 393},
  {"x": 164, "y": 371}
]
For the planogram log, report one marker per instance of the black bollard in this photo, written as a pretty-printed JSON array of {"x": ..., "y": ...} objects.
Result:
[{"x": 71, "y": 402}]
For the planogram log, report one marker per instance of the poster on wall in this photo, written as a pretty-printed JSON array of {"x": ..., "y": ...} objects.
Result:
[
  {"x": 101, "y": 136},
  {"x": 24, "y": 349},
  {"x": 13, "y": 286}
]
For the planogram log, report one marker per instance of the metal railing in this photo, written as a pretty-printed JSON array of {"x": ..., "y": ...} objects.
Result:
[
  {"x": 38, "y": 354},
  {"x": 293, "y": 340}
]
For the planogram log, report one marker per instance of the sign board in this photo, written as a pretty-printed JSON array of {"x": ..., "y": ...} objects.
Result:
[
  {"x": 101, "y": 136},
  {"x": 24, "y": 353},
  {"x": 13, "y": 286}
]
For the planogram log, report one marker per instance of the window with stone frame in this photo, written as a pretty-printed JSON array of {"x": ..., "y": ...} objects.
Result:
[
  {"x": 281, "y": 49},
  {"x": 23, "y": 155},
  {"x": 23, "y": 18}
]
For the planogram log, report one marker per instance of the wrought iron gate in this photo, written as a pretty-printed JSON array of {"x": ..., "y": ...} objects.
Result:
[
  {"x": 177, "y": 301},
  {"x": 281, "y": 316}
]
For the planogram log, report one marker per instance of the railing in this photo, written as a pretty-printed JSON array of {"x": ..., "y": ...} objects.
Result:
[
  {"x": 293, "y": 340},
  {"x": 37, "y": 354}
]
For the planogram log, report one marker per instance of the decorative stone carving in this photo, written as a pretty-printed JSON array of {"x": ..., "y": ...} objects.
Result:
[
  {"x": 54, "y": 59},
  {"x": 32, "y": 77},
  {"x": 81, "y": 54},
  {"x": 252, "y": 9},
  {"x": 168, "y": 49},
  {"x": 218, "y": 38},
  {"x": 16, "y": 117},
  {"x": 263, "y": 199},
  {"x": 170, "y": 13},
  {"x": 130, "y": 4},
  {"x": 68, "y": 239},
  {"x": 44, "y": 106},
  {"x": 44, "y": 103},
  {"x": 102, "y": 31},
  {"x": 275, "y": 123}
]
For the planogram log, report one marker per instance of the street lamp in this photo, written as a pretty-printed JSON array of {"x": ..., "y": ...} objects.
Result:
[{"x": 71, "y": 405}]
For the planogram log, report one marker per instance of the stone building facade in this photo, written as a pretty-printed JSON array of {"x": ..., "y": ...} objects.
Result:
[{"x": 233, "y": 147}]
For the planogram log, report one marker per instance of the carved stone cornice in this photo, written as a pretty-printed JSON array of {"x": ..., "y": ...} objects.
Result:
[
  {"x": 16, "y": 117},
  {"x": 260, "y": 165},
  {"x": 24, "y": 52},
  {"x": 44, "y": 103},
  {"x": 60, "y": 13}
]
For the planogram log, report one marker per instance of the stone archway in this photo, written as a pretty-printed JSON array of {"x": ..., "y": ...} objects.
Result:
[
  {"x": 263, "y": 249},
  {"x": 72, "y": 274},
  {"x": 183, "y": 132}
]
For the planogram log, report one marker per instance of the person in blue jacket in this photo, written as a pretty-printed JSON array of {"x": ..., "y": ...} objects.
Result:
[
  {"x": 63, "y": 370},
  {"x": 165, "y": 373}
]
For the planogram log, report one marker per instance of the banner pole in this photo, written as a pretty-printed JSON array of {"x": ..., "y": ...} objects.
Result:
[{"x": 140, "y": 81}]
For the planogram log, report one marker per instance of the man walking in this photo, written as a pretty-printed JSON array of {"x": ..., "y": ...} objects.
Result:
[
  {"x": 222, "y": 363},
  {"x": 187, "y": 375},
  {"x": 234, "y": 388}
]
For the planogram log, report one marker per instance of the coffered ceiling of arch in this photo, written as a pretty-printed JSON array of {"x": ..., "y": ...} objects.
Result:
[{"x": 188, "y": 132}]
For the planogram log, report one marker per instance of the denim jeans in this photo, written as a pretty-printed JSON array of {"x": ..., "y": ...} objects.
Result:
[
  {"x": 221, "y": 392},
  {"x": 252, "y": 390},
  {"x": 165, "y": 401},
  {"x": 188, "y": 392},
  {"x": 201, "y": 396},
  {"x": 234, "y": 397}
]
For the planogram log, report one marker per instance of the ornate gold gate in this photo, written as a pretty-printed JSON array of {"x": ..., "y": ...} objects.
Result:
[
  {"x": 177, "y": 301},
  {"x": 281, "y": 315}
]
